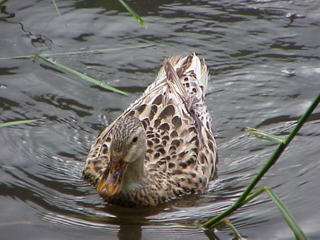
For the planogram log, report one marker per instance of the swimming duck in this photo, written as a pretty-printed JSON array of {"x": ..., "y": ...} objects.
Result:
[{"x": 161, "y": 146}]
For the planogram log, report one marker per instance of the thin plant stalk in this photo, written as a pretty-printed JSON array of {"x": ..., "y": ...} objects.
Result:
[
  {"x": 134, "y": 14},
  {"x": 227, "y": 222},
  {"x": 272, "y": 160},
  {"x": 298, "y": 233},
  {"x": 56, "y": 7},
  {"x": 3, "y": 2},
  {"x": 264, "y": 135},
  {"x": 76, "y": 52},
  {"x": 59, "y": 14},
  {"x": 7, "y": 124},
  {"x": 90, "y": 79},
  {"x": 276, "y": 155}
]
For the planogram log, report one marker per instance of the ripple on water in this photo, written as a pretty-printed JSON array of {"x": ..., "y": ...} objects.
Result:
[{"x": 263, "y": 61}]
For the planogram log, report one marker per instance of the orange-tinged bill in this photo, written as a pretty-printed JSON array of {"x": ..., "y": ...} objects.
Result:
[{"x": 110, "y": 186}]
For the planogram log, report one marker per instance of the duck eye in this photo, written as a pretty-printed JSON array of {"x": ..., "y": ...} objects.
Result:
[{"x": 135, "y": 139}]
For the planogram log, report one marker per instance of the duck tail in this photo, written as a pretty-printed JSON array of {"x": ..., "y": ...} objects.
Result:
[{"x": 189, "y": 75}]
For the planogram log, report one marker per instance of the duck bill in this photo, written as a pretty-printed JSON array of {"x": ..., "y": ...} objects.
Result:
[{"x": 110, "y": 186}]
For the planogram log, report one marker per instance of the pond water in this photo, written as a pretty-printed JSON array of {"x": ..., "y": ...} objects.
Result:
[{"x": 263, "y": 57}]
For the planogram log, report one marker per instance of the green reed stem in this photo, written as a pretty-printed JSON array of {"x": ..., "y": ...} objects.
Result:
[
  {"x": 56, "y": 7},
  {"x": 227, "y": 222},
  {"x": 134, "y": 14},
  {"x": 272, "y": 160},
  {"x": 98, "y": 51},
  {"x": 298, "y": 233},
  {"x": 6, "y": 124},
  {"x": 83, "y": 76},
  {"x": 3, "y": 2},
  {"x": 264, "y": 135},
  {"x": 275, "y": 156}
]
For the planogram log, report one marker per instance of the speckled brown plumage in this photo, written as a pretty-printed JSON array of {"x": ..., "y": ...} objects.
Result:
[{"x": 171, "y": 124}]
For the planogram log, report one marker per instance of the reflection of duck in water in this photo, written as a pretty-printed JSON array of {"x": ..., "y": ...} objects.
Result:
[{"x": 162, "y": 146}]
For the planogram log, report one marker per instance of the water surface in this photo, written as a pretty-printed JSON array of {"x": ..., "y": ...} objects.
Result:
[{"x": 263, "y": 58}]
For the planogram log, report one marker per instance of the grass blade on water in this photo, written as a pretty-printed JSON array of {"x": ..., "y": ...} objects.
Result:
[
  {"x": 6, "y": 124},
  {"x": 298, "y": 233},
  {"x": 3, "y": 2},
  {"x": 56, "y": 7},
  {"x": 7, "y": 167},
  {"x": 134, "y": 14},
  {"x": 90, "y": 79},
  {"x": 264, "y": 135},
  {"x": 75, "y": 52}
]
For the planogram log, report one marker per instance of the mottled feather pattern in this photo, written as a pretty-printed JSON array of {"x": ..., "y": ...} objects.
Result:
[{"x": 181, "y": 150}]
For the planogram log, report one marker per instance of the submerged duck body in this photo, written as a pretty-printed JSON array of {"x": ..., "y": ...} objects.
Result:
[{"x": 162, "y": 146}]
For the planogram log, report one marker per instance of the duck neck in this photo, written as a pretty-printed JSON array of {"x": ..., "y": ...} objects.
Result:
[{"x": 134, "y": 174}]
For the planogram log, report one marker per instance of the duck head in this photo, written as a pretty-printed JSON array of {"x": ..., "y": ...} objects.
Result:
[{"x": 127, "y": 154}]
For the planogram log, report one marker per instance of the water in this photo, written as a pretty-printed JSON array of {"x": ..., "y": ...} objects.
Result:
[{"x": 263, "y": 58}]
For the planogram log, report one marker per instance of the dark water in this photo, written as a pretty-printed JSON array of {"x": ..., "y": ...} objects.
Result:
[{"x": 263, "y": 58}]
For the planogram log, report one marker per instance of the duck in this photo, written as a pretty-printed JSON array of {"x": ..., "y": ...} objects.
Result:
[{"x": 162, "y": 146}]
